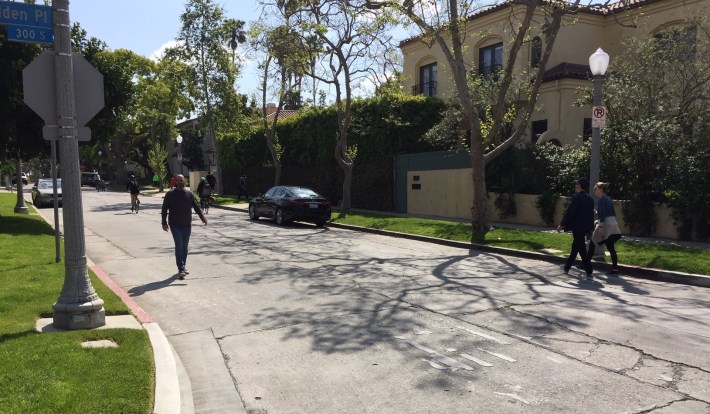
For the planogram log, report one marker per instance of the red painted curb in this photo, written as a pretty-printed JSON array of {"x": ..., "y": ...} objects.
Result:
[{"x": 136, "y": 310}]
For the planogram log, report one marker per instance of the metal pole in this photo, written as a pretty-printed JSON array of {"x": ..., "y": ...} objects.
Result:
[
  {"x": 78, "y": 306},
  {"x": 20, "y": 206},
  {"x": 57, "y": 246},
  {"x": 596, "y": 136}
]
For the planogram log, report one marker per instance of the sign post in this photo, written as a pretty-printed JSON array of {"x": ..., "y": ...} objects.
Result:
[{"x": 78, "y": 305}]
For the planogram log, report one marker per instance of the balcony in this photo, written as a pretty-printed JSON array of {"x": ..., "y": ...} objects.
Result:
[{"x": 426, "y": 88}]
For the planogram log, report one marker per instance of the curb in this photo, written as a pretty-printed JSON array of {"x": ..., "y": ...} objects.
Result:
[
  {"x": 167, "y": 386},
  {"x": 659, "y": 275}
]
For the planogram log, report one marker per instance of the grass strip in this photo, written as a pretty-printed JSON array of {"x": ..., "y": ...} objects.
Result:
[{"x": 51, "y": 372}]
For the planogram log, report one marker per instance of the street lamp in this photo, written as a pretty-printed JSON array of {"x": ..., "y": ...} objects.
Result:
[
  {"x": 179, "y": 141},
  {"x": 598, "y": 63},
  {"x": 99, "y": 162}
]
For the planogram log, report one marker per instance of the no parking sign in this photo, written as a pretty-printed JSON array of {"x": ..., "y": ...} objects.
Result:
[{"x": 599, "y": 117}]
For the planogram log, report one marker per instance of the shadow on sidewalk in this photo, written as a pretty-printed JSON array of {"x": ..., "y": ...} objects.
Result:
[{"x": 139, "y": 290}]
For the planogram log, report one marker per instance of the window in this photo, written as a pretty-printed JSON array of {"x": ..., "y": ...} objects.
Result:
[
  {"x": 587, "y": 130},
  {"x": 678, "y": 42},
  {"x": 490, "y": 61},
  {"x": 427, "y": 80},
  {"x": 535, "y": 52},
  {"x": 538, "y": 128}
]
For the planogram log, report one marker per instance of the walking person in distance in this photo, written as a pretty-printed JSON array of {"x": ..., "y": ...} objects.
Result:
[
  {"x": 579, "y": 218},
  {"x": 607, "y": 231},
  {"x": 176, "y": 215},
  {"x": 243, "y": 188}
]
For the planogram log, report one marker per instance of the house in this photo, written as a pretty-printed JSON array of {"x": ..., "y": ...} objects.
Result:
[{"x": 557, "y": 119}]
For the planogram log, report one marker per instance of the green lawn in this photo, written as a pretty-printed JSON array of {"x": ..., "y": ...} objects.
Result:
[
  {"x": 51, "y": 372},
  {"x": 664, "y": 257}
]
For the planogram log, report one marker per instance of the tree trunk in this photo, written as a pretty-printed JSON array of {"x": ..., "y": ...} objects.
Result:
[
  {"x": 479, "y": 212},
  {"x": 347, "y": 185}
]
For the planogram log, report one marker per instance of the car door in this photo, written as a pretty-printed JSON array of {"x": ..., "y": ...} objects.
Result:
[
  {"x": 261, "y": 203},
  {"x": 272, "y": 203}
]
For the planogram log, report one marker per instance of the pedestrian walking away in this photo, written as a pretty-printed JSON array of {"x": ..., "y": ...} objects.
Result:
[
  {"x": 204, "y": 191},
  {"x": 172, "y": 182},
  {"x": 211, "y": 180},
  {"x": 243, "y": 188},
  {"x": 579, "y": 218},
  {"x": 134, "y": 188},
  {"x": 607, "y": 231},
  {"x": 156, "y": 180},
  {"x": 176, "y": 215}
]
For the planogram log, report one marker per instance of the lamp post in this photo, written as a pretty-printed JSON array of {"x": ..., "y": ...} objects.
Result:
[
  {"x": 598, "y": 63},
  {"x": 99, "y": 161},
  {"x": 179, "y": 156}
]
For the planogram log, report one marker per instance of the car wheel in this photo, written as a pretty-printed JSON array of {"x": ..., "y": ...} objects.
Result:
[
  {"x": 252, "y": 212},
  {"x": 320, "y": 223},
  {"x": 280, "y": 217}
]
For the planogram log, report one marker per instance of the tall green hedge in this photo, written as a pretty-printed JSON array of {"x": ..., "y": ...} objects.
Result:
[{"x": 381, "y": 128}]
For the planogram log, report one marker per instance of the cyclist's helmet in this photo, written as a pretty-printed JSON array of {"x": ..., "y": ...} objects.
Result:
[
  {"x": 132, "y": 176},
  {"x": 202, "y": 178}
]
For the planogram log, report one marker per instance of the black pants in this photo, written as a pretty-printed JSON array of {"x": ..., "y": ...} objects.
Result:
[
  {"x": 609, "y": 243},
  {"x": 579, "y": 245},
  {"x": 243, "y": 190}
]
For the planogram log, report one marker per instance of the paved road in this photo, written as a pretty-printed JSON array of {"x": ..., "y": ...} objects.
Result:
[{"x": 299, "y": 319}]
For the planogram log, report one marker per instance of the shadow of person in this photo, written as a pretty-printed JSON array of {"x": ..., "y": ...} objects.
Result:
[{"x": 139, "y": 290}]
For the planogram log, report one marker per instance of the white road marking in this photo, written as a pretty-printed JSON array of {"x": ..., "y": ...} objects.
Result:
[
  {"x": 482, "y": 335},
  {"x": 665, "y": 378},
  {"x": 513, "y": 396},
  {"x": 529, "y": 339},
  {"x": 554, "y": 360},
  {"x": 501, "y": 356},
  {"x": 422, "y": 347},
  {"x": 476, "y": 360},
  {"x": 454, "y": 364},
  {"x": 424, "y": 332}
]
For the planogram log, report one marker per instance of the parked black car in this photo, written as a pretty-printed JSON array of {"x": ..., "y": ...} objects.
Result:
[
  {"x": 286, "y": 203},
  {"x": 43, "y": 192},
  {"x": 90, "y": 178}
]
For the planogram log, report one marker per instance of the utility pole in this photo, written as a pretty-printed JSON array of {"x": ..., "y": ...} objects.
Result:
[{"x": 78, "y": 305}]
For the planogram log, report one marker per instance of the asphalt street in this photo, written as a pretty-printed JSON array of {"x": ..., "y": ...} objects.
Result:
[{"x": 298, "y": 319}]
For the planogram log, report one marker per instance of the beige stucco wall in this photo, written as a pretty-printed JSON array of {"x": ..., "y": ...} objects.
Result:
[
  {"x": 449, "y": 193},
  {"x": 579, "y": 37}
]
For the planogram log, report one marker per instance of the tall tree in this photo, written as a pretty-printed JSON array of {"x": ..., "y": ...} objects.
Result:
[
  {"x": 354, "y": 39},
  {"x": 443, "y": 22},
  {"x": 202, "y": 45}
]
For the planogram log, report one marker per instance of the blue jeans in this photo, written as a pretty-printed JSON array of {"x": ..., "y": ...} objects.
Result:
[{"x": 181, "y": 237}]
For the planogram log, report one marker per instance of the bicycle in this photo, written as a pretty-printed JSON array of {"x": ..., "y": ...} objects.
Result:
[
  {"x": 135, "y": 203},
  {"x": 205, "y": 204}
]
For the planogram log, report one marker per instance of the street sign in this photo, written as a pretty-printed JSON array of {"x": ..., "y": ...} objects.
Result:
[
  {"x": 38, "y": 81},
  {"x": 23, "y": 14},
  {"x": 29, "y": 34},
  {"x": 598, "y": 117}
]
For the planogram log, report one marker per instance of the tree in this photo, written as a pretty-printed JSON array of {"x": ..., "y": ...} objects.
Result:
[
  {"x": 157, "y": 159},
  {"x": 657, "y": 148},
  {"x": 488, "y": 120},
  {"x": 202, "y": 42},
  {"x": 354, "y": 39},
  {"x": 282, "y": 55}
]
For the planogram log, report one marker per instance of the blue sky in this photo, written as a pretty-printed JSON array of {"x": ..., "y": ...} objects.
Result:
[{"x": 146, "y": 26}]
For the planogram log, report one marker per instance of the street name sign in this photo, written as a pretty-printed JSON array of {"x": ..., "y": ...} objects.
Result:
[
  {"x": 29, "y": 34},
  {"x": 27, "y": 22}
]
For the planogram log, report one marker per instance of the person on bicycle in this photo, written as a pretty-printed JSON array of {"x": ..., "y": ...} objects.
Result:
[
  {"x": 134, "y": 188},
  {"x": 204, "y": 190}
]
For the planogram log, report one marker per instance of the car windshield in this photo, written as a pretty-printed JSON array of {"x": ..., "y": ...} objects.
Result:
[
  {"x": 43, "y": 185},
  {"x": 304, "y": 192}
]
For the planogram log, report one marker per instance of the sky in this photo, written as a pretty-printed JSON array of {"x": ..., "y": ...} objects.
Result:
[{"x": 147, "y": 26}]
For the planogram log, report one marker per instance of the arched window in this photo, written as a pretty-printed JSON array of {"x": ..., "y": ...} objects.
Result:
[
  {"x": 427, "y": 80},
  {"x": 535, "y": 52}
]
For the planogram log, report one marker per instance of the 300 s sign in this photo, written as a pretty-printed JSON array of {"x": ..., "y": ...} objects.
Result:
[{"x": 29, "y": 34}]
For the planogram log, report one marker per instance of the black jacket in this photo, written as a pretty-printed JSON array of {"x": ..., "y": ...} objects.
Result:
[{"x": 579, "y": 217}]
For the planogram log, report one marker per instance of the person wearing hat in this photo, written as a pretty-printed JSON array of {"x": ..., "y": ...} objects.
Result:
[{"x": 579, "y": 218}]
